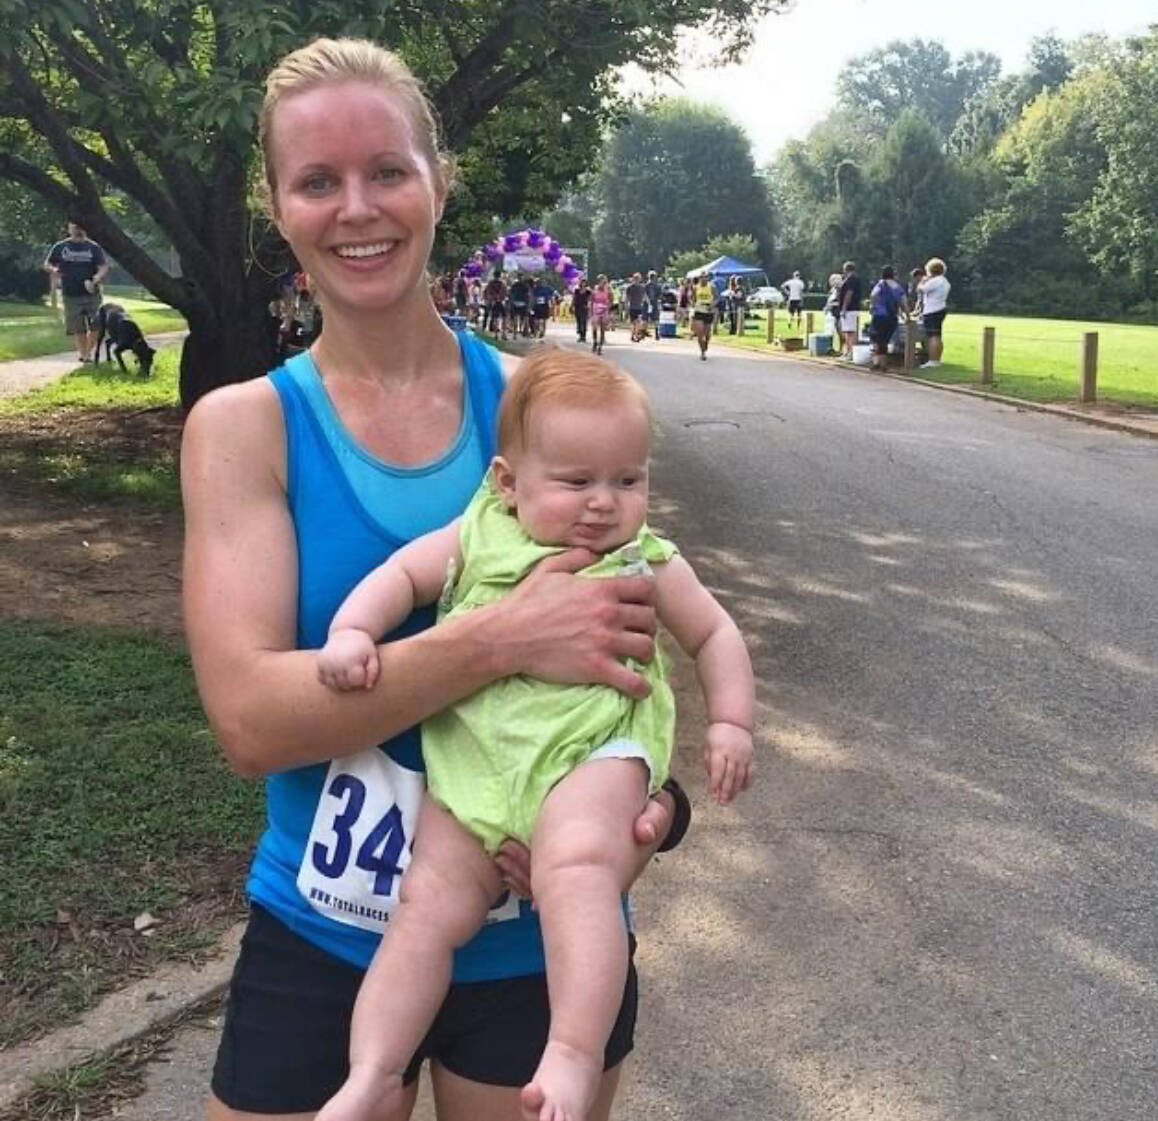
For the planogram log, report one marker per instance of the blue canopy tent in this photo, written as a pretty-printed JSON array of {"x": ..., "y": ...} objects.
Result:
[{"x": 724, "y": 267}]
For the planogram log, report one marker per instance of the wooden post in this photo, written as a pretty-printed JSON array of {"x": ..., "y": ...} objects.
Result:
[
  {"x": 1089, "y": 371},
  {"x": 807, "y": 329},
  {"x": 770, "y": 329},
  {"x": 910, "y": 346},
  {"x": 988, "y": 350}
]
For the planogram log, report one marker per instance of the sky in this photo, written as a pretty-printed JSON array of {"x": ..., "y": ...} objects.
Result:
[{"x": 787, "y": 82}]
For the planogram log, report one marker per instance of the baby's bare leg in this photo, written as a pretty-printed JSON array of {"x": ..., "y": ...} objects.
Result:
[
  {"x": 583, "y": 857},
  {"x": 444, "y": 898}
]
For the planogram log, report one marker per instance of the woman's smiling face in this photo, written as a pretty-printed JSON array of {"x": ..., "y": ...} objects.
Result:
[{"x": 356, "y": 196}]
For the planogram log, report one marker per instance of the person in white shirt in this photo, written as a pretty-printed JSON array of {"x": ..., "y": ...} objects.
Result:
[
  {"x": 934, "y": 296},
  {"x": 793, "y": 288}
]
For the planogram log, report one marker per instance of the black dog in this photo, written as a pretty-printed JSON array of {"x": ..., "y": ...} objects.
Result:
[{"x": 119, "y": 333}]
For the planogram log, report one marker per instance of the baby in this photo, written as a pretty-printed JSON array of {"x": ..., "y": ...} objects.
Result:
[{"x": 563, "y": 768}]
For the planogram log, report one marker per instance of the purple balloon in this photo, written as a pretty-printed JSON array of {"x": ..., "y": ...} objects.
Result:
[
  {"x": 552, "y": 253},
  {"x": 535, "y": 238},
  {"x": 511, "y": 243},
  {"x": 493, "y": 251}
]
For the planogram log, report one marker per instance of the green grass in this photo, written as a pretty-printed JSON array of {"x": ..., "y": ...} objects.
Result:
[
  {"x": 105, "y": 386},
  {"x": 114, "y": 800},
  {"x": 30, "y": 330},
  {"x": 127, "y": 458},
  {"x": 1035, "y": 359},
  {"x": 1039, "y": 359}
]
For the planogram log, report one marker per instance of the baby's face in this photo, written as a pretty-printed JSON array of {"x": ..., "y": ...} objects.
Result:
[{"x": 581, "y": 478}]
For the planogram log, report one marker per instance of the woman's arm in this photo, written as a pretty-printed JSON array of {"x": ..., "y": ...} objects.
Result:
[{"x": 261, "y": 694}]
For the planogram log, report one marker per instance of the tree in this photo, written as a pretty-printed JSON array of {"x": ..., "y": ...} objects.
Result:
[
  {"x": 913, "y": 204},
  {"x": 673, "y": 175},
  {"x": 158, "y": 100},
  {"x": 740, "y": 247},
  {"x": 918, "y": 75},
  {"x": 1019, "y": 251},
  {"x": 1118, "y": 223},
  {"x": 987, "y": 113}
]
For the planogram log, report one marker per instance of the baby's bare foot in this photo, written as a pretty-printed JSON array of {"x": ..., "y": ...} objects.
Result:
[
  {"x": 367, "y": 1096},
  {"x": 564, "y": 1086}
]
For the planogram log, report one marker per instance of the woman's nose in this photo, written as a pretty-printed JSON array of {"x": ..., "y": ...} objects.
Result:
[{"x": 357, "y": 201}]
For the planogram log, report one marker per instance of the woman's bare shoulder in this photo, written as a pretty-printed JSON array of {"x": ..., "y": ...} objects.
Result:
[{"x": 241, "y": 421}]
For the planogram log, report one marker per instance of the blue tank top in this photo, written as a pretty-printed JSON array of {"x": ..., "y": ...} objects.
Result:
[{"x": 350, "y": 512}]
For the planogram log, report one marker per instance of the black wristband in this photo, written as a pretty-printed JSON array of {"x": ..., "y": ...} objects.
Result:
[{"x": 681, "y": 817}]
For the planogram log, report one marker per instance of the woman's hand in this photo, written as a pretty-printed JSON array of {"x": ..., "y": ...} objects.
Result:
[
  {"x": 560, "y": 628},
  {"x": 650, "y": 829}
]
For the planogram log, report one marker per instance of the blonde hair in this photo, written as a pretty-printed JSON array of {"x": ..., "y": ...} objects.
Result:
[
  {"x": 332, "y": 61},
  {"x": 934, "y": 266},
  {"x": 552, "y": 376}
]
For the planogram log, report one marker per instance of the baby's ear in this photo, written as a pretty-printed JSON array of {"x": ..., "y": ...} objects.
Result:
[{"x": 503, "y": 477}]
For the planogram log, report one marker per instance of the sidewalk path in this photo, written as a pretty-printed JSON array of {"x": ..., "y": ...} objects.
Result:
[{"x": 22, "y": 374}]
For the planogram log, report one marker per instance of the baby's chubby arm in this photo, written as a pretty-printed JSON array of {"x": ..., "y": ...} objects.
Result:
[
  {"x": 706, "y": 632},
  {"x": 413, "y": 576}
]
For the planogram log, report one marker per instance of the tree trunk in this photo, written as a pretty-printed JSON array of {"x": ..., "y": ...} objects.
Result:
[{"x": 234, "y": 347}]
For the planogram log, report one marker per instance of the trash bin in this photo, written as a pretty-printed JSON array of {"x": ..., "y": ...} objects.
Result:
[
  {"x": 819, "y": 345},
  {"x": 667, "y": 324},
  {"x": 862, "y": 354}
]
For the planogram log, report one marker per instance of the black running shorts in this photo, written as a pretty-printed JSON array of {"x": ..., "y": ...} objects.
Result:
[{"x": 285, "y": 1043}]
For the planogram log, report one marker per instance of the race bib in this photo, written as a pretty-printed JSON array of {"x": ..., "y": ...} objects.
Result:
[{"x": 361, "y": 839}]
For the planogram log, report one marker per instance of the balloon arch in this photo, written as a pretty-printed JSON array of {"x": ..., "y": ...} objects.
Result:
[{"x": 530, "y": 250}]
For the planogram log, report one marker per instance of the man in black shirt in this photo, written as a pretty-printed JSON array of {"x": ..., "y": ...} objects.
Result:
[
  {"x": 580, "y": 301},
  {"x": 636, "y": 296},
  {"x": 653, "y": 288},
  {"x": 849, "y": 305},
  {"x": 80, "y": 265},
  {"x": 520, "y": 300}
]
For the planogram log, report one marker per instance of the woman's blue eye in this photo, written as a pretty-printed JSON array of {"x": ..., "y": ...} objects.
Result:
[
  {"x": 389, "y": 173},
  {"x": 317, "y": 183}
]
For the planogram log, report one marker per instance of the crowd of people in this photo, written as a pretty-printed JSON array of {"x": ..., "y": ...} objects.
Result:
[{"x": 921, "y": 308}]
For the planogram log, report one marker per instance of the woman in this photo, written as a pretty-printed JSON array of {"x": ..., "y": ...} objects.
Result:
[
  {"x": 703, "y": 312},
  {"x": 934, "y": 290},
  {"x": 737, "y": 300},
  {"x": 887, "y": 302},
  {"x": 295, "y": 486},
  {"x": 601, "y": 311},
  {"x": 832, "y": 310}
]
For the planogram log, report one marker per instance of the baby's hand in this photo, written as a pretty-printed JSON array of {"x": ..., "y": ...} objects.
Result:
[
  {"x": 349, "y": 660},
  {"x": 728, "y": 757}
]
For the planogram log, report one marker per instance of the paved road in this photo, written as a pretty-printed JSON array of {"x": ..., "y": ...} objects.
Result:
[{"x": 938, "y": 904}]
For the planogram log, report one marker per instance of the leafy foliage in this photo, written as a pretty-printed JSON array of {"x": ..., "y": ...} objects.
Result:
[
  {"x": 741, "y": 247},
  {"x": 1037, "y": 186},
  {"x": 675, "y": 174},
  {"x": 159, "y": 101}
]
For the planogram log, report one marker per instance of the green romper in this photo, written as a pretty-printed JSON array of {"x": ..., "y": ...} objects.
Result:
[{"x": 493, "y": 758}]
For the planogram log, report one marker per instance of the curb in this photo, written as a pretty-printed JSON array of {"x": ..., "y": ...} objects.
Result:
[
  {"x": 121, "y": 1017},
  {"x": 1063, "y": 411}
]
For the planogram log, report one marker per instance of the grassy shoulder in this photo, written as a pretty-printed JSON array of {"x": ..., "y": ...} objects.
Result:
[
  {"x": 114, "y": 801},
  {"x": 98, "y": 434},
  {"x": 1035, "y": 359},
  {"x": 32, "y": 330}
]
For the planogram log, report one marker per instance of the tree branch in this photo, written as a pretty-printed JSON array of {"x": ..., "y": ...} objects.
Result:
[{"x": 95, "y": 78}]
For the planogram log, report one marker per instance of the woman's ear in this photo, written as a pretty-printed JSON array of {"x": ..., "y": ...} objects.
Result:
[{"x": 503, "y": 476}]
